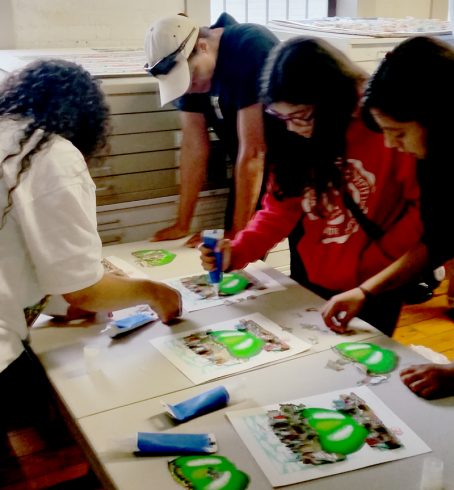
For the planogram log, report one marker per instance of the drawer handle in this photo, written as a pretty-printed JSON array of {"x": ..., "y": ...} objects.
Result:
[
  {"x": 103, "y": 168},
  {"x": 104, "y": 171},
  {"x": 104, "y": 188},
  {"x": 113, "y": 222},
  {"x": 112, "y": 239}
]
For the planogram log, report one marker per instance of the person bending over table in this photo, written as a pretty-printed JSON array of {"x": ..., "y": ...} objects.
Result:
[
  {"x": 215, "y": 74},
  {"x": 53, "y": 117},
  {"x": 410, "y": 99},
  {"x": 327, "y": 172}
]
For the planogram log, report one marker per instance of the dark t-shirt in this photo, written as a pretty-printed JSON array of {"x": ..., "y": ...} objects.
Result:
[{"x": 243, "y": 50}]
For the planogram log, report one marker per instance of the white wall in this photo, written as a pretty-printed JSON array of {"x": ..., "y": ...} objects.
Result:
[
  {"x": 423, "y": 9},
  {"x": 87, "y": 23}
]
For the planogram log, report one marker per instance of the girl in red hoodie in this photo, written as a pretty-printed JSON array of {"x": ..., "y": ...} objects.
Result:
[
  {"x": 327, "y": 168},
  {"x": 410, "y": 100}
]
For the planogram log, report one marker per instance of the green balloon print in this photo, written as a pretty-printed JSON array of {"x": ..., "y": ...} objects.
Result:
[
  {"x": 233, "y": 284},
  {"x": 376, "y": 359},
  {"x": 239, "y": 343},
  {"x": 207, "y": 472},
  {"x": 338, "y": 433}
]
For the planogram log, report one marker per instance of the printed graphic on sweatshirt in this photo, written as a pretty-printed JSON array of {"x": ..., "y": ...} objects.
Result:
[{"x": 340, "y": 223}]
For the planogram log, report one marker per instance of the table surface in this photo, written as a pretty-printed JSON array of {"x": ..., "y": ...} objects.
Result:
[
  {"x": 432, "y": 421},
  {"x": 130, "y": 369},
  {"x": 122, "y": 396}
]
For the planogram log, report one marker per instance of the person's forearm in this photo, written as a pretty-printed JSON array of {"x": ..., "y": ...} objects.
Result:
[
  {"x": 195, "y": 150},
  {"x": 248, "y": 181},
  {"x": 192, "y": 176},
  {"x": 399, "y": 273},
  {"x": 114, "y": 292}
]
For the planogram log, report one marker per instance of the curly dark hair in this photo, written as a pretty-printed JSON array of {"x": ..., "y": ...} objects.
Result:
[
  {"x": 60, "y": 98},
  {"x": 304, "y": 70}
]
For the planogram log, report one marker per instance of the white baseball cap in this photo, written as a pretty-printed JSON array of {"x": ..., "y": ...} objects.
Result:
[{"x": 168, "y": 45}]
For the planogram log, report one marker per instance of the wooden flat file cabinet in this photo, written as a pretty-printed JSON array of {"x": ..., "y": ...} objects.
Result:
[{"x": 137, "y": 184}]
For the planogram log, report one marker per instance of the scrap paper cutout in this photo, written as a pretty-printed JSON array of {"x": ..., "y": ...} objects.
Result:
[
  {"x": 207, "y": 472},
  {"x": 290, "y": 457},
  {"x": 229, "y": 347},
  {"x": 151, "y": 258},
  {"x": 198, "y": 293},
  {"x": 120, "y": 267},
  {"x": 376, "y": 359}
]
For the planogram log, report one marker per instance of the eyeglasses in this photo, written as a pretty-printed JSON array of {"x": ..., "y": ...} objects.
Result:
[
  {"x": 306, "y": 117},
  {"x": 165, "y": 64}
]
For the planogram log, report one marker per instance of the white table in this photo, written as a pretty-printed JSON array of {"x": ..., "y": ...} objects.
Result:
[
  {"x": 122, "y": 396},
  {"x": 305, "y": 376},
  {"x": 131, "y": 369}
]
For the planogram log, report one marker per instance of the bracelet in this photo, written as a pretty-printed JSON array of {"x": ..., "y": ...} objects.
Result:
[{"x": 366, "y": 292}]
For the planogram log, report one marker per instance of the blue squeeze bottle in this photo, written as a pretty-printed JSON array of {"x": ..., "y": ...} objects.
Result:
[{"x": 210, "y": 239}]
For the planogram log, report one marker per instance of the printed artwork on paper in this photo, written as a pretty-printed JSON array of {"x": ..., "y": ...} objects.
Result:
[
  {"x": 229, "y": 347},
  {"x": 198, "y": 293},
  {"x": 324, "y": 435}
]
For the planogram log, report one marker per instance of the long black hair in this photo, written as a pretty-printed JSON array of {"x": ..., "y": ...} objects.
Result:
[
  {"x": 60, "y": 98},
  {"x": 415, "y": 82},
  {"x": 305, "y": 70}
]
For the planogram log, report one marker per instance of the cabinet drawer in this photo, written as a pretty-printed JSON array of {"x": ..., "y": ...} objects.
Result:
[
  {"x": 141, "y": 142},
  {"x": 143, "y": 232},
  {"x": 136, "y": 216},
  {"x": 370, "y": 52},
  {"x": 279, "y": 257},
  {"x": 117, "y": 184},
  {"x": 159, "y": 212},
  {"x": 135, "y": 195},
  {"x": 136, "y": 162},
  {"x": 144, "y": 122},
  {"x": 130, "y": 103}
]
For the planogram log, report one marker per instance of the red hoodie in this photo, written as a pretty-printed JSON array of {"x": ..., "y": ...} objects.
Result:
[{"x": 336, "y": 252}]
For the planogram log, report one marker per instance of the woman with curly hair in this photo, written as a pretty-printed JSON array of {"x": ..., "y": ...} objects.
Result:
[
  {"x": 334, "y": 191},
  {"x": 53, "y": 117},
  {"x": 410, "y": 99}
]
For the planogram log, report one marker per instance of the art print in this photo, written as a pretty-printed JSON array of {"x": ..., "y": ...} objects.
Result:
[
  {"x": 229, "y": 347},
  {"x": 324, "y": 435},
  {"x": 198, "y": 293}
]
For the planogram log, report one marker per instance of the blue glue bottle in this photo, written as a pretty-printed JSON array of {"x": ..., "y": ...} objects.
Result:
[
  {"x": 206, "y": 402},
  {"x": 215, "y": 398},
  {"x": 161, "y": 443},
  {"x": 210, "y": 239}
]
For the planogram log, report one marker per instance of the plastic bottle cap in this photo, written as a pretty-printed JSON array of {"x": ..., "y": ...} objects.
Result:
[{"x": 432, "y": 474}]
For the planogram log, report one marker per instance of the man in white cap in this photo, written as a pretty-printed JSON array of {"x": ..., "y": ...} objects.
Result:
[{"x": 214, "y": 73}]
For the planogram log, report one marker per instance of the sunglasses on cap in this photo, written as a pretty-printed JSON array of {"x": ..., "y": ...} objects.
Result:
[
  {"x": 306, "y": 117},
  {"x": 165, "y": 64}
]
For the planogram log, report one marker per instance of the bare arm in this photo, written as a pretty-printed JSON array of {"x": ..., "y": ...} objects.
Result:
[
  {"x": 341, "y": 308},
  {"x": 400, "y": 272},
  {"x": 249, "y": 165},
  {"x": 113, "y": 292},
  {"x": 193, "y": 167}
]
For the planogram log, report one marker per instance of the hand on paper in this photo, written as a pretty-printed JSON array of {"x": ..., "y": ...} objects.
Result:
[
  {"x": 166, "y": 302},
  {"x": 429, "y": 380},
  {"x": 207, "y": 255},
  {"x": 194, "y": 241},
  {"x": 341, "y": 308},
  {"x": 170, "y": 233}
]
